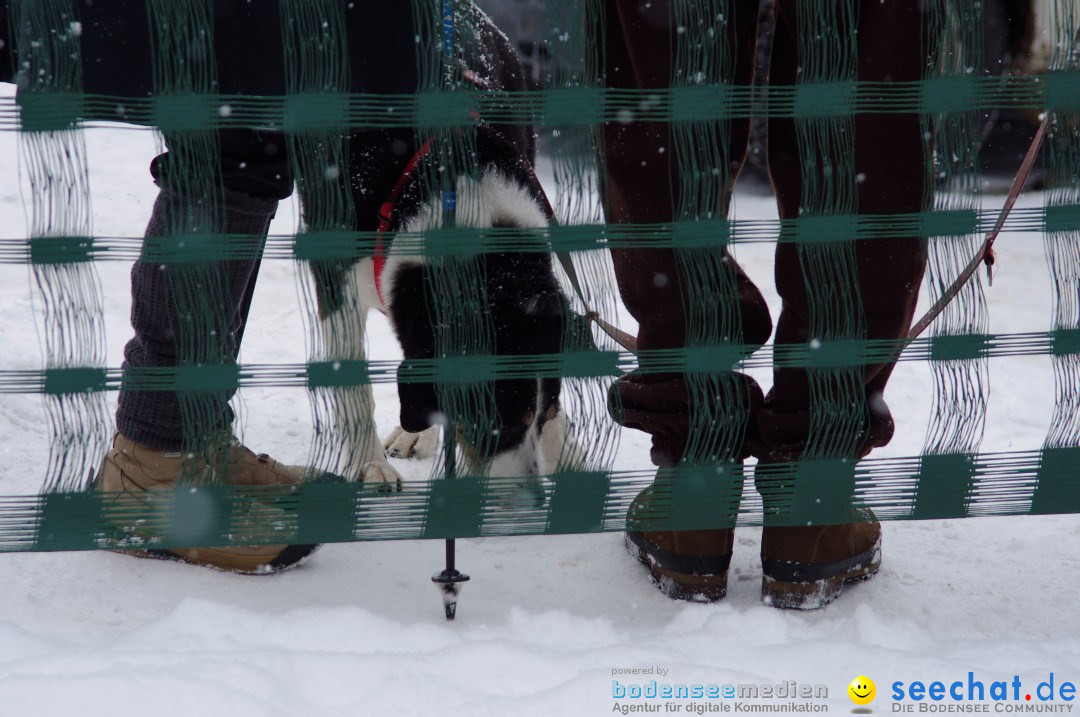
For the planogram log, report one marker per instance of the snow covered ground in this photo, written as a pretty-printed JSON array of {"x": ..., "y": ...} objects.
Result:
[{"x": 545, "y": 621}]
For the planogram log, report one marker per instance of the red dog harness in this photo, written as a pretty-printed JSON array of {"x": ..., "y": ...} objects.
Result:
[{"x": 386, "y": 214}]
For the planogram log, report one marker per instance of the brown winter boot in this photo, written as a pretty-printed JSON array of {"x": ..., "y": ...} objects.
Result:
[
  {"x": 684, "y": 564},
  {"x": 139, "y": 472},
  {"x": 806, "y": 567}
]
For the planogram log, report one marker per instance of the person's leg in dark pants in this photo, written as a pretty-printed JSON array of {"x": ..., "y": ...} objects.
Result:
[
  {"x": 690, "y": 297},
  {"x": 197, "y": 312},
  {"x": 874, "y": 297},
  {"x": 835, "y": 414},
  {"x": 643, "y": 184},
  {"x": 193, "y": 313}
]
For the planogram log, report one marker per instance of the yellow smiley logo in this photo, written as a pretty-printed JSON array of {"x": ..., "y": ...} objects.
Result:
[{"x": 862, "y": 690}]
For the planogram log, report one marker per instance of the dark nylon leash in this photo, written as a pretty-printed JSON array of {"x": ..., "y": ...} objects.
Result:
[{"x": 617, "y": 335}]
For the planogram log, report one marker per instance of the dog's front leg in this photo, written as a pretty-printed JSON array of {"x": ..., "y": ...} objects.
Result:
[
  {"x": 344, "y": 332},
  {"x": 364, "y": 457},
  {"x": 402, "y": 444}
]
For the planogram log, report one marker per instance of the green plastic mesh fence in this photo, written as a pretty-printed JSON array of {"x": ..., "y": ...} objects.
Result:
[{"x": 644, "y": 115}]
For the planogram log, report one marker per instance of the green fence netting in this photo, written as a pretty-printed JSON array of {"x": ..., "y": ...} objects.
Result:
[{"x": 704, "y": 102}]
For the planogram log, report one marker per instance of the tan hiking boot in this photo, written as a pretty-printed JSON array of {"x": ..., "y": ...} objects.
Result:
[
  {"x": 684, "y": 564},
  {"x": 139, "y": 472},
  {"x": 806, "y": 567}
]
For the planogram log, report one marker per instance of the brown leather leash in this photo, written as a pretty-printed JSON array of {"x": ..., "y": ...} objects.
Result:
[
  {"x": 986, "y": 252},
  {"x": 985, "y": 255}
]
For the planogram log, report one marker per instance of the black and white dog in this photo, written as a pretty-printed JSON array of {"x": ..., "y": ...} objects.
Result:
[{"x": 522, "y": 431}]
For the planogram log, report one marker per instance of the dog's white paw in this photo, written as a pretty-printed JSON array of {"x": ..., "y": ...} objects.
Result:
[
  {"x": 402, "y": 444},
  {"x": 381, "y": 476}
]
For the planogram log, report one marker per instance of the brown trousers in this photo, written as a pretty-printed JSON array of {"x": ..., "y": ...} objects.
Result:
[{"x": 643, "y": 186}]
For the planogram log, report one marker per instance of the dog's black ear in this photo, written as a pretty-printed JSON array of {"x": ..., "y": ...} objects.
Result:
[{"x": 419, "y": 404}]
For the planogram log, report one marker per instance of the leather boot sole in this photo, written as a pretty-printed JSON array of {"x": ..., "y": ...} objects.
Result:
[
  {"x": 697, "y": 579},
  {"x": 228, "y": 562},
  {"x": 261, "y": 560},
  {"x": 801, "y": 586}
]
